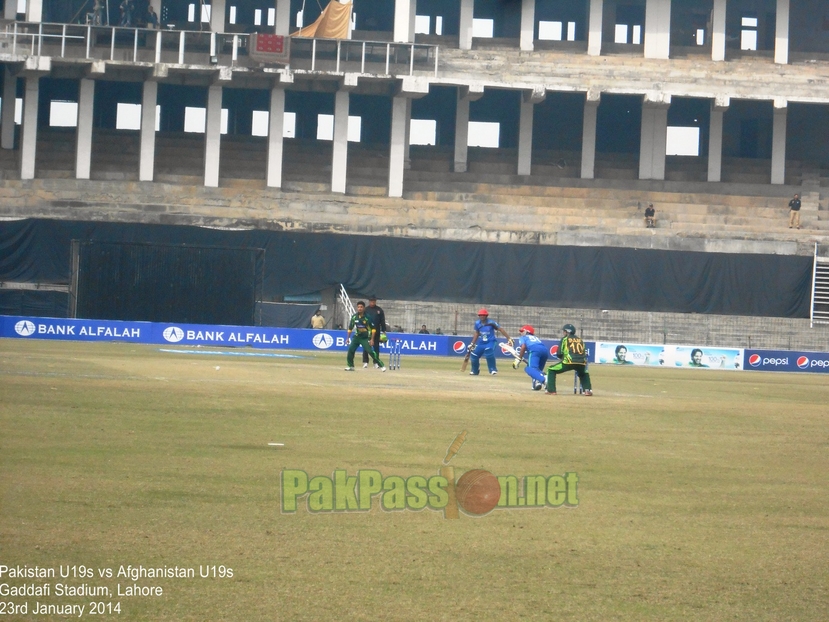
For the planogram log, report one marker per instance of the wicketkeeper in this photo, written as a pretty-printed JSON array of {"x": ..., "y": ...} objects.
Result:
[
  {"x": 573, "y": 357},
  {"x": 363, "y": 331}
]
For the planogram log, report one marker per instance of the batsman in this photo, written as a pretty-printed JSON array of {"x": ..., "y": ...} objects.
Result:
[
  {"x": 363, "y": 331},
  {"x": 573, "y": 357}
]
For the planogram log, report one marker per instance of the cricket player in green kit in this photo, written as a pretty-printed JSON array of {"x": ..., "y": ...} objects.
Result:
[
  {"x": 363, "y": 331},
  {"x": 573, "y": 357}
]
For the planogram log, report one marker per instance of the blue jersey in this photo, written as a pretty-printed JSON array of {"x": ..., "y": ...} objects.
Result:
[
  {"x": 532, "y": 343},
  {"x": 487, "y": 331}
]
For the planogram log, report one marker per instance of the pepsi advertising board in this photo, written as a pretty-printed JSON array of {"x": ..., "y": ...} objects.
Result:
[{"x": 783, "y": 360}]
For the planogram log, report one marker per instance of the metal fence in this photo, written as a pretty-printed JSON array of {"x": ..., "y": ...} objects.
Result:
[{"x": 183, "y": 47}]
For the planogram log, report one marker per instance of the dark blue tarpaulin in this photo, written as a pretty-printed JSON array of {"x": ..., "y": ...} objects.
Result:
[{"x": 438, "y": 270}]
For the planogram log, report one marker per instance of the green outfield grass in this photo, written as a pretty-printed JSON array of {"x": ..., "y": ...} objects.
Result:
[{"x": 702, "y": 494}]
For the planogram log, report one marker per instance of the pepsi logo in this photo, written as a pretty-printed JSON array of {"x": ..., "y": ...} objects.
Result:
[
  {"x": 459, "y": 347},
  {"x": 803, "y": 362},
  {"x": 754, "y": 360}
]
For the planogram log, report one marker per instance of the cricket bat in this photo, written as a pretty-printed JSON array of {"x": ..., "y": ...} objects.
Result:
[
  {"x": 505, "y": 347},
  {"x": 465, "y": 363}
]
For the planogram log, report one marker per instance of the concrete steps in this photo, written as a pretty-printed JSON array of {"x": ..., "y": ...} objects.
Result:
[{"x": 489, "y": 202}]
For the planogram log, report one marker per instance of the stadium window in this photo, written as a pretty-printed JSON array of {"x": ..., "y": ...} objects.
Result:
[
  {"x": 21, "y": 5},
  {"x": 700, "y": 36},
  {"x": 484, "y": 134},
  {"x": 423, "y": 132},
  {"x": 483, "y": 28},
  {"x": 63, "y": 114},
  {"x": 549, "y": 31},
  {"x": 438, "y": 24},
  {"x": 271, "y": 17},
  {"x": 748, "y": 35},
  {"x": 325, "y": 128},
  {"x": 298, "y": 19},
  {"x": 621, "y": 35},
  {"x": 636, "y": 38},
  {"x": 261, "y": 119},
  {"x": 257, "y": 17},
  {"x": 191, "y": 13},
  {"x": 18, "y": 110},
  {"x": 205, "y": 13},
  {"x": 195, "y": 120},
  {"x": 682, "y": 141},
  {"x": 231, "y": 18},
  {"x": 571, "y": 31},
  {"x": 128, "y": 117},
  {"x": 423, "y": 24}
]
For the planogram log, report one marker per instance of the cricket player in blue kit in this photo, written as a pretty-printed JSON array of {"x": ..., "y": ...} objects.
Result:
[
  {"x": 537, "y": 355},
  {"x": 483, "y": 343}
]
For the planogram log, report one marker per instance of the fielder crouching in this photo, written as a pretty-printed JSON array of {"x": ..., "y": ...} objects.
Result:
[{"x": 573, "y": 357}]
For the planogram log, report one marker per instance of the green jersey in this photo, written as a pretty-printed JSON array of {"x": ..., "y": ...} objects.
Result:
[
  {"x": 361, "y": 326},
  {"x": 571, "y": 351}
]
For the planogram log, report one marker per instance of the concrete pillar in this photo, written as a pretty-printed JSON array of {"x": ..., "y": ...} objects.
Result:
[
  {"x": 461, "y": 133},
  {"x": 465, "y": 28},
  {"x": 83, "y": 132},
  {"x": 527, "y": 25},
  {"x": 149, "y": 100},
  {"x": 213, "y": 136},
  {"x": 718, "y": 108},
  {"x": 402, "y": 16},
  {"x": 339, "y": 162},
  {"x": 407, "y": 158},
  {"x": 718, "y": 31},
  {"x": 412, "y": 16},
  {"x": 654, "y": 136},
  {"x": 525, "y": 128},
  {"x": 7, "y": 119},
  {"x": 658, "y": 29},
  {"x": 28, "y": 141},
  {"x": 10, "y": 10},
  {"x": 397, "y": 151},
  {"x": 525, "y": 138},
  {"x": 594, "y": 36},
  {"x": 283, "y": 18},
  {"x": 778, "y": 142},
  {"x": 217, "y": 15},
  {"x": 34, "y": 10},
  {"x": 781, "y": 35},
  {"x": 588, "y": 135},
  {"x": 276, "y": 129}
]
